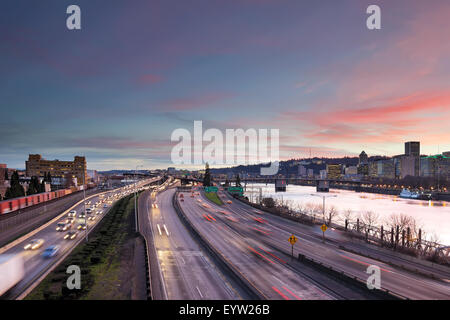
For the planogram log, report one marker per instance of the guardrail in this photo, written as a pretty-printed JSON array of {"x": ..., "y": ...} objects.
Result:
[
  {"x": 239, "y": 278},
  {"x": 41, "y": 276},
  {"x": 382, "y": 292},
  {"x": 147, "y": 270},
  {"x": 32, "y": 233}
]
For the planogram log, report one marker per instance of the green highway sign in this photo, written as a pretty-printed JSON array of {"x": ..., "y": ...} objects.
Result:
[
  {"x": 211, "y": 189},
  {"x": 238, "y": 190}
]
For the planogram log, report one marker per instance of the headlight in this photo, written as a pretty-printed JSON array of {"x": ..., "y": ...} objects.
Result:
[{"x": 27, "y": 246}]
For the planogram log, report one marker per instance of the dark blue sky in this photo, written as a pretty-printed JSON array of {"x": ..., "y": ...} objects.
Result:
[{"x": 137, "y": 70}]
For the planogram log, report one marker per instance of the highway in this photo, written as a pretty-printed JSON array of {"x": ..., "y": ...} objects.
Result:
[
  {"x": 187, "y": 273},
  {"x": 37, "y": 266},
  {"x": 274, "y": 231},
  {"x": 268, "y": 271}
]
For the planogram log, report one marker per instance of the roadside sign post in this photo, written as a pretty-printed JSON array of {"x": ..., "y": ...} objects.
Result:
[
  {"x": 292, "y": 241},
  {"x": 323, "y": 228}
]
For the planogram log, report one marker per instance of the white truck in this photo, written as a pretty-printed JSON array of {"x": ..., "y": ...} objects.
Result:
[{"x": 11, "y": 271}]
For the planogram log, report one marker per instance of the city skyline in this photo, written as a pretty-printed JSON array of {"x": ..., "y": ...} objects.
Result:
[{"x": 115, "y": 90}]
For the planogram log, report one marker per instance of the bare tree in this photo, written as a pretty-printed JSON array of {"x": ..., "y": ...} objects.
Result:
[
  {"x": 331, "y": 213},
  {"x": 348, "y": 214},
  {"x": 404, "y": 222},
  {"x": 369, "y": 219}
]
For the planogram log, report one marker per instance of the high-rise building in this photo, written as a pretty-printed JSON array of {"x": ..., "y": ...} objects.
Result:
[
  {"x": 3, "y": 170},
  {"x": 382, "y": 169},
  {"x": 437, "y": 166},
  {"x": 412, "y": 148},
  {"x": 38, "y": 166},
  {"x": 334, "y": 171},
  {"x": 363, "y": 158},
  {"x": 302, "y": 172},
  {"x": 408, "y": 166}
]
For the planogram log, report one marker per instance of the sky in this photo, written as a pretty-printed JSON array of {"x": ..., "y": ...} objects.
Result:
[{"x": 115, "y": 90}]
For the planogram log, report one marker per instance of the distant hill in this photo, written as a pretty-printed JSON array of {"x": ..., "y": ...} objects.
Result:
[{"x": 291, "y": 166}]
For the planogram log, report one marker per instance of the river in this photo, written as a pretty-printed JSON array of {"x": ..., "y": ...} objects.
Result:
[{"x": 432, "y": 216}]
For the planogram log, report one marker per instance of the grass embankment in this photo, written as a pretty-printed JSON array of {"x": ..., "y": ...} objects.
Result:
[
  {"x": 212, "y": 196},
  {"x": 105, "y": 272}
]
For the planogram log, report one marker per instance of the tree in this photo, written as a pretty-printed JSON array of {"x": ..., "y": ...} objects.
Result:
[
  {"x": 370, "y": 220},
  {"x": 15, "y": 190},
  {"x": 207, "y": 176},
  {"x": 330, "y": 213},
  {"x": 33, "y": 186},
  {"x": 268, "y": 202},
  {"x": 238, "y": 181}
]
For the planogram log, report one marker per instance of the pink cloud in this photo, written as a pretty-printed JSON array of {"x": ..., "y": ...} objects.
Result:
[
  {"x": 149, "y": 79},
  {"x": 195, "y": 102}
]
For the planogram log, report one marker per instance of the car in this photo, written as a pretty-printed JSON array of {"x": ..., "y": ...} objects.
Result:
[
  {"x": 91, "y": 218},
  {"x": 50, "y": 251},
  {"x": 81, "y": 215},
  {"x": 72, "y": 213},
  {"x": 88, "y": 210},
  {"x": 71, "y": 235},
  {"x": 155, "y": 205},
  {"x": 81, "y": 226},
  {"x": 34, "y": 244},
  {"x": 99, "y": 212},
  {"x": 62, "y": 226},
  {"x": 229, "y": 201},
  {"x": 105, "y": 206},
  {"x": 71, "y": 220}
]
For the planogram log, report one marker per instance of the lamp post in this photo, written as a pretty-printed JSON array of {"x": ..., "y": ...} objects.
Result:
[
  {"x": 84, "y": 203},
  {"x": 135, "y": 192},
  {"x": 323, "y": 209}
]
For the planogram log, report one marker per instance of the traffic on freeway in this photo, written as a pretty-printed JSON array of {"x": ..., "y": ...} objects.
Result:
[
  {"x": 29, "y": 258},
  {"x": 188, "y": 273},
  {"x": 265, "y": 236},
  {"x": 265, "y": 269}
]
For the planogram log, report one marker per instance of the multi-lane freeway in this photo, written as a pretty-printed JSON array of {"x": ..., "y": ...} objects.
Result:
[
  {"x": 252, "y": 245},
  {"x": 187, "y": 272},
  {"x": 241, "y": 241},
  {"x": 35, "y": 265},
  {"x": 258, "y": 244}
]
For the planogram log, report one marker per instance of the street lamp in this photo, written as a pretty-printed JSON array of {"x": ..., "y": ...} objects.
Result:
[
  {"x": 323, "y": 206},
  {"x": 84, "y": 203},
  {"x": 135, "y": 192},
  {"x": 323, "y": 209}
]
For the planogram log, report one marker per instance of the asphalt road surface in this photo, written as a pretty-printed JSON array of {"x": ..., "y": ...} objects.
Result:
[
  {"x": 274, "y": 232},
  {"x": 265, "y": 269},
  {"x": 188, "y": 273},
  {"x": 34, "y": 263}
]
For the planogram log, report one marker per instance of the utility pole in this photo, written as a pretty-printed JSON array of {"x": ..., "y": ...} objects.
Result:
[
  {"x": 323, "y": 203},
  {"x": 84, "y": 202},
  {"x": 135, "y": 194}
]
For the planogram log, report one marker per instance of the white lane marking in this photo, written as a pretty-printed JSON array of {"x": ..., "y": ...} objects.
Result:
[
  {"x": 199, "y": 292},
  {"x": 159, "y": 229},
  {"x": 167, "y": 232}
]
